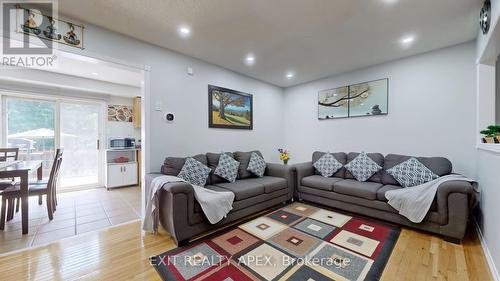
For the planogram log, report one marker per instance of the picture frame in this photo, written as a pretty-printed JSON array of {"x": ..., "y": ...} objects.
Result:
[
  {"x": 369, "y": 98},
  {"x": 229, "y": 109}
]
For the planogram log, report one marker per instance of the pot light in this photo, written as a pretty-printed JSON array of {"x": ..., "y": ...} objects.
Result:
[
  {"x": 390, "y": 2},
  {"x": 95, "y": 73},
  {"x": 289, "y": 75},
  {"x": 407, "y": 40},
  {"x": 184, "y": 31},
  {"x": 250, "y": 59}
]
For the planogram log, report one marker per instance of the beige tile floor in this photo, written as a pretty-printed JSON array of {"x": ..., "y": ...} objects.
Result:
[{"x": 77, "y": 212}]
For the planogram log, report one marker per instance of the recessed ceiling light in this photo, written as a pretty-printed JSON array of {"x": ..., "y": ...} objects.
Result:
[
  {"x": 390, "y": 2},
  {"x": 407, "y": 40},
  {"x": 289, "y": 75},
  {"x": 250, "y": 59},
  {"x": 95, "y": 73},
  {"x": 184, "y": 31}
]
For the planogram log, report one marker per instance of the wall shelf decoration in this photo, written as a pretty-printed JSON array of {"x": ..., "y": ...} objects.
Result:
[
  {"x": 45, "y": 27},
  {"x": 363, "y": 99}
]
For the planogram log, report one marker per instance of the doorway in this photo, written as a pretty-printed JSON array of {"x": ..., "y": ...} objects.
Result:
[{"x": 39, "y": 125}]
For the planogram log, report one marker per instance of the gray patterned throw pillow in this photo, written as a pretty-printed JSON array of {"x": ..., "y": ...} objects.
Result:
[
  {"x": 411, "y": 173},
  {"x": 227, "y": 167},
  {"x": 257, "y": 165},
  {"x": 327, "y": 165},
  {"x": 194, "y": 172},
  {"x": 363, "y": 167}
]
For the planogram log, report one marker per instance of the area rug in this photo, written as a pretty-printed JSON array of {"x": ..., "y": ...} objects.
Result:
[{"x": 296, "y": 242}]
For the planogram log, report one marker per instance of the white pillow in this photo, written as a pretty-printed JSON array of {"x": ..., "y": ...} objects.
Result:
[
  {"x": 327, "y": 165},
  {"x": 411, "y": 173},
  {"x": 227, "y": 168},
  {"x": 363, "y": 167},
  {"x": 257, "y": 165},
  {"x": 194, "y": 172}
]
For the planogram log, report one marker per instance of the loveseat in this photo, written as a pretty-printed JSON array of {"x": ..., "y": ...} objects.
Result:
[
  {"x": 182, "y": 216},
  {"x": 447, "y": 216}
]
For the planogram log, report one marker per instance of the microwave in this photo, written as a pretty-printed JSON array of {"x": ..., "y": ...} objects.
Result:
[{"x": 121, "y": 143}]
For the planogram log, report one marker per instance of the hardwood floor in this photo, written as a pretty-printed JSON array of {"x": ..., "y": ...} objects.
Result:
[{"x": 121, "y": 253}]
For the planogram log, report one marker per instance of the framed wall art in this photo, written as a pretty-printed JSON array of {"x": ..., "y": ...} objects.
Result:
[
  {"x": 229, "y": 109},
  {"x": 363, "y": 99}
]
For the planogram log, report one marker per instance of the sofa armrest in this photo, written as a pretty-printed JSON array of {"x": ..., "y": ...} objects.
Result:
[
  {"x": 282, "y": 171},
  {"x": 304, "y": 170},
  {"x": 454, "y": 199},
  {"x": 176, "y": 206}
]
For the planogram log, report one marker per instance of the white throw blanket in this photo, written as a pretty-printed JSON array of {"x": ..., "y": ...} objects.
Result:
[
  {"x": 215, "y": 205},
  {"x": 414, "y": 202}
]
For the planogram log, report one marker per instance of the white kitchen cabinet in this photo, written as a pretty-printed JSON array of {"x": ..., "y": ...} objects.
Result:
[{"x": 121, "y": 174}]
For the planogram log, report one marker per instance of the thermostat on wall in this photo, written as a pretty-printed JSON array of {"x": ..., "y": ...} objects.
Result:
[{"x": 169, "y": 117}]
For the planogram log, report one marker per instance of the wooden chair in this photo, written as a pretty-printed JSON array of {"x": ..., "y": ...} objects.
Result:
[
  {"x": 7, "y": 154},
  {"x": 10, "y": 194}
]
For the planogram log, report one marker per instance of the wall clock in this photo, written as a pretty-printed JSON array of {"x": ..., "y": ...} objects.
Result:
[{"x": 485, "y": 17}]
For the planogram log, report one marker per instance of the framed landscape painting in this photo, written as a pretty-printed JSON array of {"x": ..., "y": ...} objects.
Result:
[{"x": 229, "y": 109}]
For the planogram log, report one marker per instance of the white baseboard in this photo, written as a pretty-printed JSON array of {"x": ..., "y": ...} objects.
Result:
[{"x": 487, "y": 253}]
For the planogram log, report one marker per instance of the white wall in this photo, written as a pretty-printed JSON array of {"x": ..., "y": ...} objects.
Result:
[
  {"x": 431, "y": 111},
  {"x": 187, "y": 97}
]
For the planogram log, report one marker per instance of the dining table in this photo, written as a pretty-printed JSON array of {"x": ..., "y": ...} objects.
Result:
[{"x": 22, "y": 170}]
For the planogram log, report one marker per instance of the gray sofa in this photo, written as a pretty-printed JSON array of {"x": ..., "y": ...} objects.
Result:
[
  {"x": 183, "y": 217},
  {"x": 449, "y": 212}
]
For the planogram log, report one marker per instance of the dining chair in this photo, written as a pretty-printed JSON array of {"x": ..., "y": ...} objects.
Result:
[
  {"x": 7, "y": 154},
  {"x": 11, "y": 153},
  {"x": 13, "y": 193}
]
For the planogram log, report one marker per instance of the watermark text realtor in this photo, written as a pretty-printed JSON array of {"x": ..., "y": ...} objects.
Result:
[{"x": 22, "y": 42}]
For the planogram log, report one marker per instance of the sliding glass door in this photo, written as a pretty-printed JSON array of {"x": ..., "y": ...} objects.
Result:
[
  {"x": 79, "y": 136},
  {"x": 30, "y": 126},
  {"x": 38, "y": 126}
]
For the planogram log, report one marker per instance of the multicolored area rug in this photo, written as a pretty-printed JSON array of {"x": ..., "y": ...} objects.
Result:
[{"x": 296, "y": 242}]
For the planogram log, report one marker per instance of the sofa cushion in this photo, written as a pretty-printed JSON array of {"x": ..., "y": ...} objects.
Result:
[
  {"x": 194, "y": 172},
  {"x": 411, "y": 173},
  {"x": 227, "y": 168},
  {"x": 256, "y": 165},
  {"x": 363, "y": 167},
  {"x": 381, "y": 192},
  {"x": 320, "y": 182},
  {"x": 271, "y": 184},
  {"x": 327, "y": 165},
  {"x": 367, "y": 190},
  {"x": 243, "y": 189},
  {"x": 340, "y": 156},
  {"x": 213, "y": 161},
  {"x": 376, "y": 157},
  {"x": 244, "y": 159},
  {"x": 172, "y": 165},
  {"x": 438, "y": 165}
]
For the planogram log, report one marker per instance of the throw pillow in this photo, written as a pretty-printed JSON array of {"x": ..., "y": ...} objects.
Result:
[
  {"x": 362, "y": 167},
  {"x": 257, "y": 165},
  {"x": 411, "y": 173},
  {"x": 327, "y": 165},
  {"x": 227, "y": 167},
  {"x": 194, "y": 172}
]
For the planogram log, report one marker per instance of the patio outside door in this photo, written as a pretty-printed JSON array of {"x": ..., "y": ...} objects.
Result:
[
  {"x": 38, "y": 126},
  {"x": 79, "y": 135}
]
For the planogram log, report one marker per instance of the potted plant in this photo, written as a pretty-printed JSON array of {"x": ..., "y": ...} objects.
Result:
[
  {"x": 284, "y": 155},
  {"x": 491, "y": 134}
]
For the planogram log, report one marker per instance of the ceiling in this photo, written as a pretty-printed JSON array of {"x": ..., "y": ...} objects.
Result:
[{"x": 310, "y": 38}]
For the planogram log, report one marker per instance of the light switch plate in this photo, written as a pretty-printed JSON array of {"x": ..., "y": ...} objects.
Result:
[
  {"x": 158, "y": 106},
  {"x": 190, "y": 71}
]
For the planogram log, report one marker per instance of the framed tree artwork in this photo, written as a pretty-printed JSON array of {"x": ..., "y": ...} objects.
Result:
[
  {"x": 229, "y": 109},
  {"x": 363, "y": 99}
]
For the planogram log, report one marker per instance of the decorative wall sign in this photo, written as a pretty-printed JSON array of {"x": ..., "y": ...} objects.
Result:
[
  {"x": 229, "y": 109},
  {"x": 120, "y": 113},
  {"x": 45, "y": 27},
  {"x": 363, "y": 99}
]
